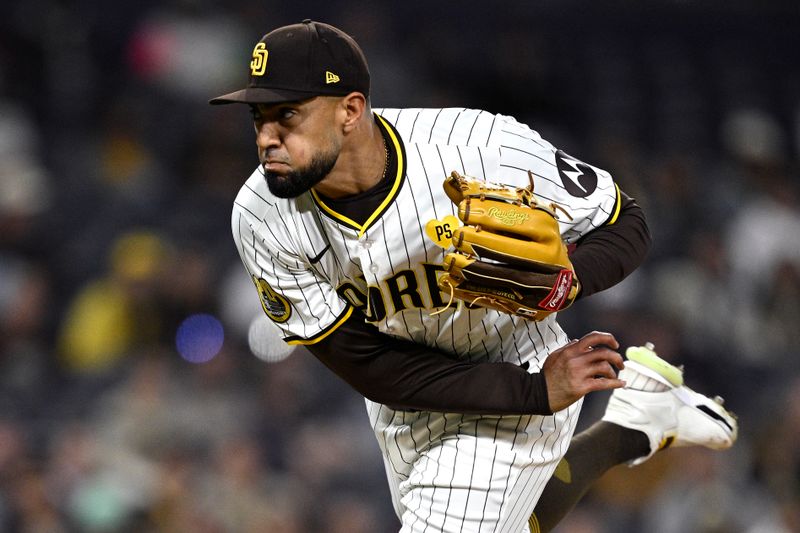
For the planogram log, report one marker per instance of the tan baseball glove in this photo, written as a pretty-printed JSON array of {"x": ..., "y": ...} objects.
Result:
[{"x": 509, "y": 253}]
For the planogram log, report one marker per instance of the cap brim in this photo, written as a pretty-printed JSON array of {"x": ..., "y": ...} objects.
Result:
[{"x": 260, "y": 95}]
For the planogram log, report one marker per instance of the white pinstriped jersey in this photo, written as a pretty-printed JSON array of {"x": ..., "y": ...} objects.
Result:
[{"x": 312, "y": 265}]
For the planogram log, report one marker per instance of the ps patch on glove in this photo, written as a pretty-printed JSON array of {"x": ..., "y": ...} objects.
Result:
[{"x": 509, "y": 253}]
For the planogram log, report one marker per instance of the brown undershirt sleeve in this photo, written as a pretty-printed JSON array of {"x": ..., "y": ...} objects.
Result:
[
  {"x": 405, "y": 375},
  {"x": 606, "y": 255}
]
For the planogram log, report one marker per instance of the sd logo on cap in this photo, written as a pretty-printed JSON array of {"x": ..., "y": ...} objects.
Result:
[{"x": 305, "y": 60}]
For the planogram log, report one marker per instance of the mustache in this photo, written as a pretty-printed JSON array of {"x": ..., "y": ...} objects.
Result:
[{"x": 268, "y": 157}]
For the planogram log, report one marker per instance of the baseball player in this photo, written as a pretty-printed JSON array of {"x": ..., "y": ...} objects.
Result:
[{"x": 344, "y": 228}]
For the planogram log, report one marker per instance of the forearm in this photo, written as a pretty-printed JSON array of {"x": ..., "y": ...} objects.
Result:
[{"x": 405, "y": 375}]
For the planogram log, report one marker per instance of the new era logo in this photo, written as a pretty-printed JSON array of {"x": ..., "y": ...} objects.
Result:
[{"x": 330, "y": 77}]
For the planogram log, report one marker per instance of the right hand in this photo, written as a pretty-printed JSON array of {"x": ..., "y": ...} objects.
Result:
[{"x": 580, "y": 367}]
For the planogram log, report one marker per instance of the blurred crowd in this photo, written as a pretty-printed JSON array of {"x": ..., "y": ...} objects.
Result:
[{"x": 116, "y": 183}]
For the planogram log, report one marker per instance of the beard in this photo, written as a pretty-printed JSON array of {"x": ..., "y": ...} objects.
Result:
[{"x": 298, "y": 181}]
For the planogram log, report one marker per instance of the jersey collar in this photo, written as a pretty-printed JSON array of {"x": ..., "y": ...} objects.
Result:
[{"x": 395, "y": 146}]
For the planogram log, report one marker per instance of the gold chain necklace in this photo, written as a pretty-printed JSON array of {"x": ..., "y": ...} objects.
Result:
[{"x": 385, "y": 158}]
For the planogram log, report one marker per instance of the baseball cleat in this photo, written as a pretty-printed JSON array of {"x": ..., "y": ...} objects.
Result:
[{"x": 656, "y": 402}]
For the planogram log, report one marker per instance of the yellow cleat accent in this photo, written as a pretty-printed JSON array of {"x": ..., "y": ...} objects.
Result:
[{"x": 644, "y": 355}]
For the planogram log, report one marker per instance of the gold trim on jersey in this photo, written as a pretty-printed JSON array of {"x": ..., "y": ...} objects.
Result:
[
  {"x": 533, "y": 524},
  {"x": 617, "y": 207},
  {"x": 324, "y": 333},
  {"x": 398, "y": 180}
]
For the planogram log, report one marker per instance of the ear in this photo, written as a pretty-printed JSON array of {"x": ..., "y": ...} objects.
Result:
[{"x": 352, "y": 108}]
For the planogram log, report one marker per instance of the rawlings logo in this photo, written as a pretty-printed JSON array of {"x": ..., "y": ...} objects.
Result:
[
  {"x": 558, "y": 295},
  {"x": 509, "y": 217}
]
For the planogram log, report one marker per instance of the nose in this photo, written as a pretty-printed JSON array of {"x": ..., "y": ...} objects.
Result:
[{"x": 268, "y": 135}]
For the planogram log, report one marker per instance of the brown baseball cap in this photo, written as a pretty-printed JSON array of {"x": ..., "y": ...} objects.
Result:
[{"x": 300, "y": 61}]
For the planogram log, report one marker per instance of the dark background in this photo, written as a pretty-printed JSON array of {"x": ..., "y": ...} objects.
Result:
[{"x": 116, "y": 183}]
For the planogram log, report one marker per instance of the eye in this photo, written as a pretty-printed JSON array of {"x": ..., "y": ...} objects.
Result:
[{"x": 285, "y": 113}]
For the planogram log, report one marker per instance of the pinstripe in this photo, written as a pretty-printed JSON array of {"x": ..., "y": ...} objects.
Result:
[
  {"x": 344, "y": 238},
  {"x": 461, "y": 159},
  {"x": 537, "y": 356},
  {"x": 441, "y": 160},
  {"x": 276, "y": 237},
  {"x": 336, "y": 259},
  {"x": 509, "y": 476},
  {"x": 424, "y": 468},
  {"x": 242, "y": 206},
  {"x": 489, "y": 491},
  {"x": 472, "y": 128},
  {"x": 532, "y": 446},
  {"x": 238, "y": 239},
  {"x": 413, "y": 125},
  {"x": 540, "y": 477},
  {"x": 435, "y": 487},
  {"x": 452, "y": 479},
  {"x": 554, "y": 182},
  {"x": 536, "y": 156},
  {"x": 433, "y": 127},
  {"x": 500, "y": 340},
  {"x": 269, "y": 204},
  {"x": 408, "y": 257},
  {"x": 515, "y": 148},
  {"x": 428, "y": 178},
  {"x": 483, "y": 166},
  {"x": 473, "y": 463},
  {"x": 419, "y": 222},
  {"x": 507, "y": 523},
  {"x": 483, "y": 342},
  {"x": 453, "y": 127},
  {"x": 304, "y": 223},
  {"x": 491, "y": 129},
  {"x": 386, "y": 447},
  {"x": 526, "y": 134}
]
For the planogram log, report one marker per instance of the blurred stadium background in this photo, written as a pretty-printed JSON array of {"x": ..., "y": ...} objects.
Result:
[{"x": 131, "y": 399}]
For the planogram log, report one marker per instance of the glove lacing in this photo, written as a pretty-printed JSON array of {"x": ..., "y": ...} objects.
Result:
[{"x": 450, "y": 301}]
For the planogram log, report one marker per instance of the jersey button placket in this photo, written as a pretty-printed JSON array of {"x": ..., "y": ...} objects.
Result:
[
  {"x": 366, "y": 257},
  {"x": 369, "y": 266}
]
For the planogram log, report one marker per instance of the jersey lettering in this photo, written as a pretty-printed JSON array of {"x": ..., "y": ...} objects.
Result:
[
  {"x": 411, "y": 290},
  {"x": 403, "y": 290},
  {"x": 432, "y": 272},
  {"x": 375, "y": 311}
]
